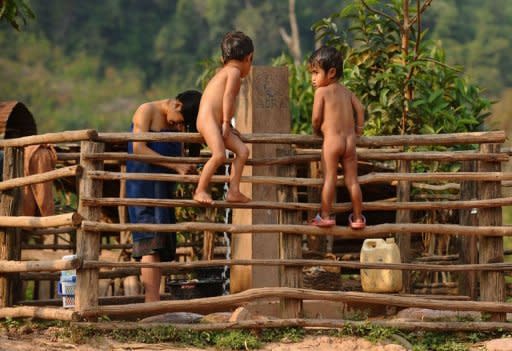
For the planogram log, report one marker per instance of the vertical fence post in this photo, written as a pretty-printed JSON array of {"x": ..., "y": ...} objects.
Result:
[
  {"x": 492, "y": 284},
  {"x": 468, "y": 252},
  {"x": 404, "y": 216},
  {"x": 290, "y": 244},
  {"x": 316, "y": 243},
  {"x": 88, "y": 243},
  {"x": 10, "y": 238}
]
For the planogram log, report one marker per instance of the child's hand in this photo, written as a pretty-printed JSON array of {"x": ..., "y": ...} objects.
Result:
[
  {"x": 236, "y": 132},
  {"x": 226, "y": 129},
  {"x": 184, "y": 168}
]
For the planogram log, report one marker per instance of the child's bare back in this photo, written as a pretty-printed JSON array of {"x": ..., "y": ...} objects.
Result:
[
  {"x": 333, "y": 118},
  {"x": 338, "y": 127},
  {"x": 212, "y": 100},
  {"x": 215, "y": 113}
]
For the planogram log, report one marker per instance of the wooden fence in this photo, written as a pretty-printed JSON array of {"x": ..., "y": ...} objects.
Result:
[{"x": 487, "y": 178}]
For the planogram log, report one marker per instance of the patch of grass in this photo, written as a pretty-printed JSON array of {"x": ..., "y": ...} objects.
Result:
[
  {"x": 282, "y": 334},
  {"x": 371, "y": 332},
  {"x": 237, "y": 340}
]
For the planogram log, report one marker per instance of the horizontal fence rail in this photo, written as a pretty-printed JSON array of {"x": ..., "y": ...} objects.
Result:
[
  {"x": 301, "y": 206},
  {"x": 374, "y": 177},
  {"x": 373, "y": 231},
  {"x": 51, "y": 138},
  {"x": 270, "y": 138},
  {"x": 90, "y": 267}
]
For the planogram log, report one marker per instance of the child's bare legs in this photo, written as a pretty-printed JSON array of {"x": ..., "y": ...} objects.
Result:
[
  {"x": 213, "y": 137},
  {"x": 241, "y": 151},
  {"x": 151, "y": 279},
  {"x": 351, "y": 182},
  {"x": 331, "y": 150}
]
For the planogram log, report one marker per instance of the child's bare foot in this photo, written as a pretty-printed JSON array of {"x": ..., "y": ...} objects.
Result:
[
  {"x": 236, "y": 196},
  {"x": 203, "y": 197},
  {"x": 359, "y": 223}
]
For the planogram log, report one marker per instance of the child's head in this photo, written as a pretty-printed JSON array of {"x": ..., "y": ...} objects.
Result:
[
  {"x": 329, "y": 60},
  {"x": 190, "y": 100},
  {"x": 236, "y": 46}
]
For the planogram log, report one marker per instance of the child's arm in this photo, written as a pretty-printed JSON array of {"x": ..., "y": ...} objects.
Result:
[
  {"x": 229, "y": 98},
  {"x": 318, "y": 112},
  {"x": 359, "y": 108},
  {"x": 142, "y": 124}
]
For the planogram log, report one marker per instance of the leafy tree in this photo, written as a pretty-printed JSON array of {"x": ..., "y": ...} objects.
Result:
[
  {"x": 437, "y": 98},
  {"x": 15, "y": 12}
]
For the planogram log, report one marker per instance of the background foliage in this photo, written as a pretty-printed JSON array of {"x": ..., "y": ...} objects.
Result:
[{"x": 90, "y": 63}]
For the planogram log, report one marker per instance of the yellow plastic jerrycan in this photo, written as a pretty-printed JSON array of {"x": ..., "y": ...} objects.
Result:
[{"x": 380, "y": 280}]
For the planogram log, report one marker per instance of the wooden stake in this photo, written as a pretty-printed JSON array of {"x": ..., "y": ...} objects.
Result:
[
  {"x": 290, "y": 244},
  {"x": 88, "y": 242},
  {"x": 10, "y": 236},
  {"x": 492, "y": 284}
]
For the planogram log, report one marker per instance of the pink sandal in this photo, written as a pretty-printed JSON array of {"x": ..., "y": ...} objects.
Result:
[
  {"x": 318, "y": 221},
  {"x": 356, "y": 225}
]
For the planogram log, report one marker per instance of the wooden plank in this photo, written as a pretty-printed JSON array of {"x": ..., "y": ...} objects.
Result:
[
  {"x": 263, "y": 104},
  {"x": 88, "y": 242},
  {"x": 492, "y": 284}
]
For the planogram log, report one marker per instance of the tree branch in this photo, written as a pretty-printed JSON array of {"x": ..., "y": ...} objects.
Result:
[
  {"x": 420, "y": 11},
  {"x": 293, "y": 40},
  {"x": 383, "y": 14}
]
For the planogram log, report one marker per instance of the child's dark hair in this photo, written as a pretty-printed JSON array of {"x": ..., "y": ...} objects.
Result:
[
  {"x": 190, "y": 100},
  {"x": 326, "y": 58},
  {"x": 235, "y": 46}
]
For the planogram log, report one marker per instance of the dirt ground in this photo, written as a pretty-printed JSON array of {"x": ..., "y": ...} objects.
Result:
[{"x": 49, "y": 340}]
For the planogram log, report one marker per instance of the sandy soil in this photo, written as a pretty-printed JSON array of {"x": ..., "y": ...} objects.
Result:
[{"x": 49, "y": 340}]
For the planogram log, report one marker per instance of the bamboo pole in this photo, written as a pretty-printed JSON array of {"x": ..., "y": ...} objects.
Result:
[
  {"x": 38, "y": 266},
  {"x": 492, "y": 284},
  {"x": 374, "y": 177},
  {"x": 379, "y": 230},
  {"x": 500, "y": 267},
  {"x": 39, "y": 178},
  {"x": 88, "y": 243},
  {"x": 300, "y": 206},
  {"x": 38, "y": 313},
  {"x": 270, "y": 138},
  {"x": 409, "y": 325},
  {"x": 233, "y": 300},
  {"x": 66, "y": 219},
  {"x": 50, "y": 138}
]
